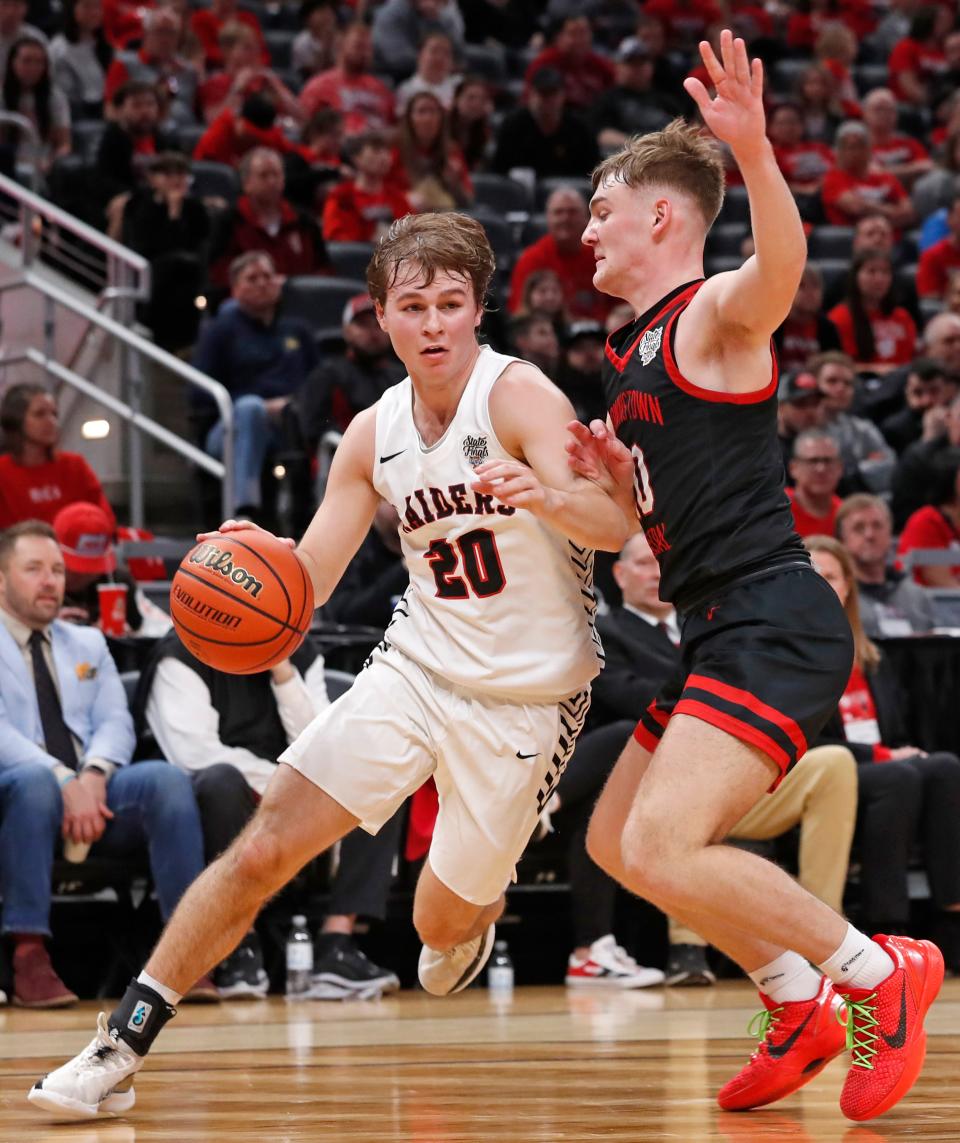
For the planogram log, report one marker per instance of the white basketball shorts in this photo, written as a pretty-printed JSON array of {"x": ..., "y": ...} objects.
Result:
[{"x": 495, "y": 764}]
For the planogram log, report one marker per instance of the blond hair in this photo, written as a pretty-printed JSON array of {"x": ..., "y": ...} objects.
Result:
[
  {"x": 866, "y": 652},
  {"x": 677, "y": 158},
  {"x": 437, "y": 243}
]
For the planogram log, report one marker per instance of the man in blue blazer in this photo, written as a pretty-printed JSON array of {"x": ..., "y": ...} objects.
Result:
[{"x": 66, "y": 740}]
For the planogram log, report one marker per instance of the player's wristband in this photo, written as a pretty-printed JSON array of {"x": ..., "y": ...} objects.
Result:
[{"x": 67, "y": 778}]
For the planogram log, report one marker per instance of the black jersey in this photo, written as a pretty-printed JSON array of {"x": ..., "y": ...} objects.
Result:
[{"x": 708, "y": 467}]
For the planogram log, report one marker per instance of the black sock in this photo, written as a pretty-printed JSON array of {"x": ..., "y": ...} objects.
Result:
[{"x": 139, "y": 1016}]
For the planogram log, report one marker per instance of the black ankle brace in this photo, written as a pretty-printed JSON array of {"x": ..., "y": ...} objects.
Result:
[{"x": 139, "y": 1016}]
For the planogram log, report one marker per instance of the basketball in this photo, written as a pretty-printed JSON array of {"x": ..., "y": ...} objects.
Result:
[{"x": 241, "y": 602}]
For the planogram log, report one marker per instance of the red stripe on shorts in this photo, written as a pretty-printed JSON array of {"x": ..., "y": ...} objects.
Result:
[
  {"x": 742, "y": 730},
  {"x": 752, "y": 703},
  {"x": 647, "y": 740}
]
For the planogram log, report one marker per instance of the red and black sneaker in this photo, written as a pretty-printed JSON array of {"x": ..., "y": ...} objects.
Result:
[
  {"x": 797, "y": 1040},
  {"x": 885, "y": 1028}
]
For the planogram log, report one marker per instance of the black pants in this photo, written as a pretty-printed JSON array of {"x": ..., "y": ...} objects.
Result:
[
  {"x": 593, "y": 893},
  {"x": 362, "y": 881},
  {"x": 902, "y": 803}
]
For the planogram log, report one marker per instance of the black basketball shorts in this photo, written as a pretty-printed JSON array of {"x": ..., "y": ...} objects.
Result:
[{"x": 766, "y": 661}]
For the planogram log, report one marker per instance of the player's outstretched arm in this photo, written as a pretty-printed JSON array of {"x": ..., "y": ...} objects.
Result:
[
  {"x": 345, "y": 515},
  {"x": 530, "y": 417},
  {"x": 757, "y": 297}
]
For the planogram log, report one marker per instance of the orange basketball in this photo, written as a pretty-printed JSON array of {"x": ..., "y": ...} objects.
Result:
[{"x": 241, "y": 602}]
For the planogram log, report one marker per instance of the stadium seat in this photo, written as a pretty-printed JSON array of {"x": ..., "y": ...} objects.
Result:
[
  {"x": 500, "y": 235},
  {"x": 487, "y": 60},
  {"x": 930, "y": 307},
  {"x": 736, "y": 206},
  {"x": 834, "y": 271},
  {"x": 350, "y": 259},
  {"x": 189, "y": 135},
  {"x": 831, "y": 242},
  {"x": 500, "y": 193},
  {"x": 319, "y": 301},
  {"x": 86, "y": 135},
  {"x": 867, "y": 76},
  {"x": 215, "y": 180},
  {"x": 280, "y": 44},
  {"x": 546, "y": 187},
  {"x": 725, "y": 239},
  {"x": 785, "y": 74},
  {"x": 720, "y": 265},
  {"x": 534, "y": 228}
]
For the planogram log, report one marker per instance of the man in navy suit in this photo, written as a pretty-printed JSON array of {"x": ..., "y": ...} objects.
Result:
[{"x": 66, "y": 740}]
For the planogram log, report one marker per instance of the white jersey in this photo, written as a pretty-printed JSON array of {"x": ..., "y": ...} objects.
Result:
[{"x": 498, "y": 602}]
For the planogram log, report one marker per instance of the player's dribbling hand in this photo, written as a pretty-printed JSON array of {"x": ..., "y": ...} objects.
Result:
[
  {"x": 234, "y": 526},
  {"x": 512, "y": 483},
  {"x": 735, "y": 115}
]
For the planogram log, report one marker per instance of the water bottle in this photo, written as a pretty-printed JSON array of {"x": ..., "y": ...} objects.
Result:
[
  {"x": 299, "y": 959},
  {"x": 500, "y": 972}
]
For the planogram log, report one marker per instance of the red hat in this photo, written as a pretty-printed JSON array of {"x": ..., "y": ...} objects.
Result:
[
  {"x": 85, "y": 535},
  {"x": 359, "y": 304}
]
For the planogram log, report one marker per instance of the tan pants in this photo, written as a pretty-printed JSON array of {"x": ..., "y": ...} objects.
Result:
[{"x": 820, "y": 795}]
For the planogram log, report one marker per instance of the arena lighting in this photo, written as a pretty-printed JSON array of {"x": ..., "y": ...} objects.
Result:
[
  {"x": 200, "y": 302},
  {"x": 95, "y": 430},
  {"x": 279, "y": 471}
]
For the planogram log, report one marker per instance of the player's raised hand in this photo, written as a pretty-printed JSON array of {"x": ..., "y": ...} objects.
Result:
[
  {"x": 595, "y": 453},
  {"x": 232, "y": 527},
  {"x": 735, "y": 115}
]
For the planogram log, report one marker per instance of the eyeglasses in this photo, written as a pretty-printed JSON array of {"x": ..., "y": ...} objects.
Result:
[{"x": 818, "y": 461}]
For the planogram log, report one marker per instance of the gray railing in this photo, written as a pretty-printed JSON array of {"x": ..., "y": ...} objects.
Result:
[
  {"x": 120, "y": 278},
  {"x": 135, "y": 347}
]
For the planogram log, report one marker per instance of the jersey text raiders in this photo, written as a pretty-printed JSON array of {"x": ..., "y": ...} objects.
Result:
[
  {"x": 707, "y": 465},
  {"x": 498, "y": 602}
]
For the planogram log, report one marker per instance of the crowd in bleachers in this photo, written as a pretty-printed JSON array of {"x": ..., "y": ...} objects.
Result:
[{"x": 254, "y": 152}]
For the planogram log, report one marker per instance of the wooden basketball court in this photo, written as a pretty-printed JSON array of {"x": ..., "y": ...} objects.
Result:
[{"x": 550, "y": 1065}]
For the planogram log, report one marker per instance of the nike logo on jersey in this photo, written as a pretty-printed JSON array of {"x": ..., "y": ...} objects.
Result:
[
  {"x": 899, "y": 1037},
  {"x": 536, "y": 754},
  {"x": 384, "y": 459},
  {"x": 778, "y": 1051}
]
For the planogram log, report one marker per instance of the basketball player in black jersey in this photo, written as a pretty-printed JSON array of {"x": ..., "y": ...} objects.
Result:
[{"x": 690, "y": 444}]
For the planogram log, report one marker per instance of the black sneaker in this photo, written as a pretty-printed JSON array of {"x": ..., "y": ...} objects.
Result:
[
  {"x": 342, "y": 970},
  {"x": 242, "y": 975},
  {"x": 687, "y": 967}
]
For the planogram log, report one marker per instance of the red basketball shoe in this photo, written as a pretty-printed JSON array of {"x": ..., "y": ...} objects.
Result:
[
  {"x": 797, "y": 1041},
  {"x": 885, "y": 1028}
]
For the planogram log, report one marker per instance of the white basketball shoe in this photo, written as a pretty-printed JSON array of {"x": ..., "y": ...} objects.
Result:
[
  {"x": 99, "y": 1081},
  {"x": 443, "y": 973}
]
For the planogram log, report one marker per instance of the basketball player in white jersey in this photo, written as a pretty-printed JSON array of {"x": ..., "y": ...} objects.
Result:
[{"x": 482, "y": 679}]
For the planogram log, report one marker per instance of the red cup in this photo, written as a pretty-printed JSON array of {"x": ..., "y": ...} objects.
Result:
[{"x": 113, "y": 608}]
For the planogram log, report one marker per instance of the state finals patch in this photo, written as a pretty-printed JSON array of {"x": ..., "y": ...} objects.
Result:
[
  {"x": 475, "y": 449},
  {"x": 649, "y": 344}
]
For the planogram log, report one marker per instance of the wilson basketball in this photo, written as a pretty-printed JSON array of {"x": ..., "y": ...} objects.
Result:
[{"x": 241, "y": 602}]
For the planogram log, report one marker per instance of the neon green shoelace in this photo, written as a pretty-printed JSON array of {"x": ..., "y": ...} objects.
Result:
[
  {"x": 858, "y": 1019},
  {"x": 762, "y": 1023}
]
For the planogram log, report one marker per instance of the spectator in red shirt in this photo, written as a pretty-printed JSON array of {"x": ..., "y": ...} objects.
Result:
[
  {"x": 361, "y": 208},
  {"x": 350, "y": 87},
  {"x": 561, "y": 250},
  {"x": 686, "y": 21},
  {"x": 937, "y": 525},
  {"x": 804, "y": 162},
  {"x": 916, "y": 60},
  {"x": 242, "y": 75},
  {"x": 937, "y": 261},
  {"x": 855, "y": 187},
  {"x": 821, "y": 108},
  {"x": 123, "y": 19},
  {"x": 836, "y": 49},
  {"x": 427, "y": 164},
  {"x": 805, "y": 331},
  {"x": 37, "y": 479},
  {"x": 235, "y": 132},
  {"x": 807, "y": 21},
  {"x": 207, "y": 24},
  {"x": 899, "y": 155},
  {"x": 264, "y": 220},
  {"x": 877, "y": 333},
  {"x": 816, "y": 469},
  {"x": 586, "y": 74},
  {"x": 158, "y": 62}
]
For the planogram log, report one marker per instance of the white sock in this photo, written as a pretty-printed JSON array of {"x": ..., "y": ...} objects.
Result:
[
  {"x": 787, "y": 978},
  {"x": 171, "y": 997},
  {"x": 858, "y": 962}
]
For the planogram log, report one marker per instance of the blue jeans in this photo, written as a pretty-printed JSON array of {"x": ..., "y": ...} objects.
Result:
[
  {"x": 153, "y": 806},
  {"x": 256, "y": 436}
]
